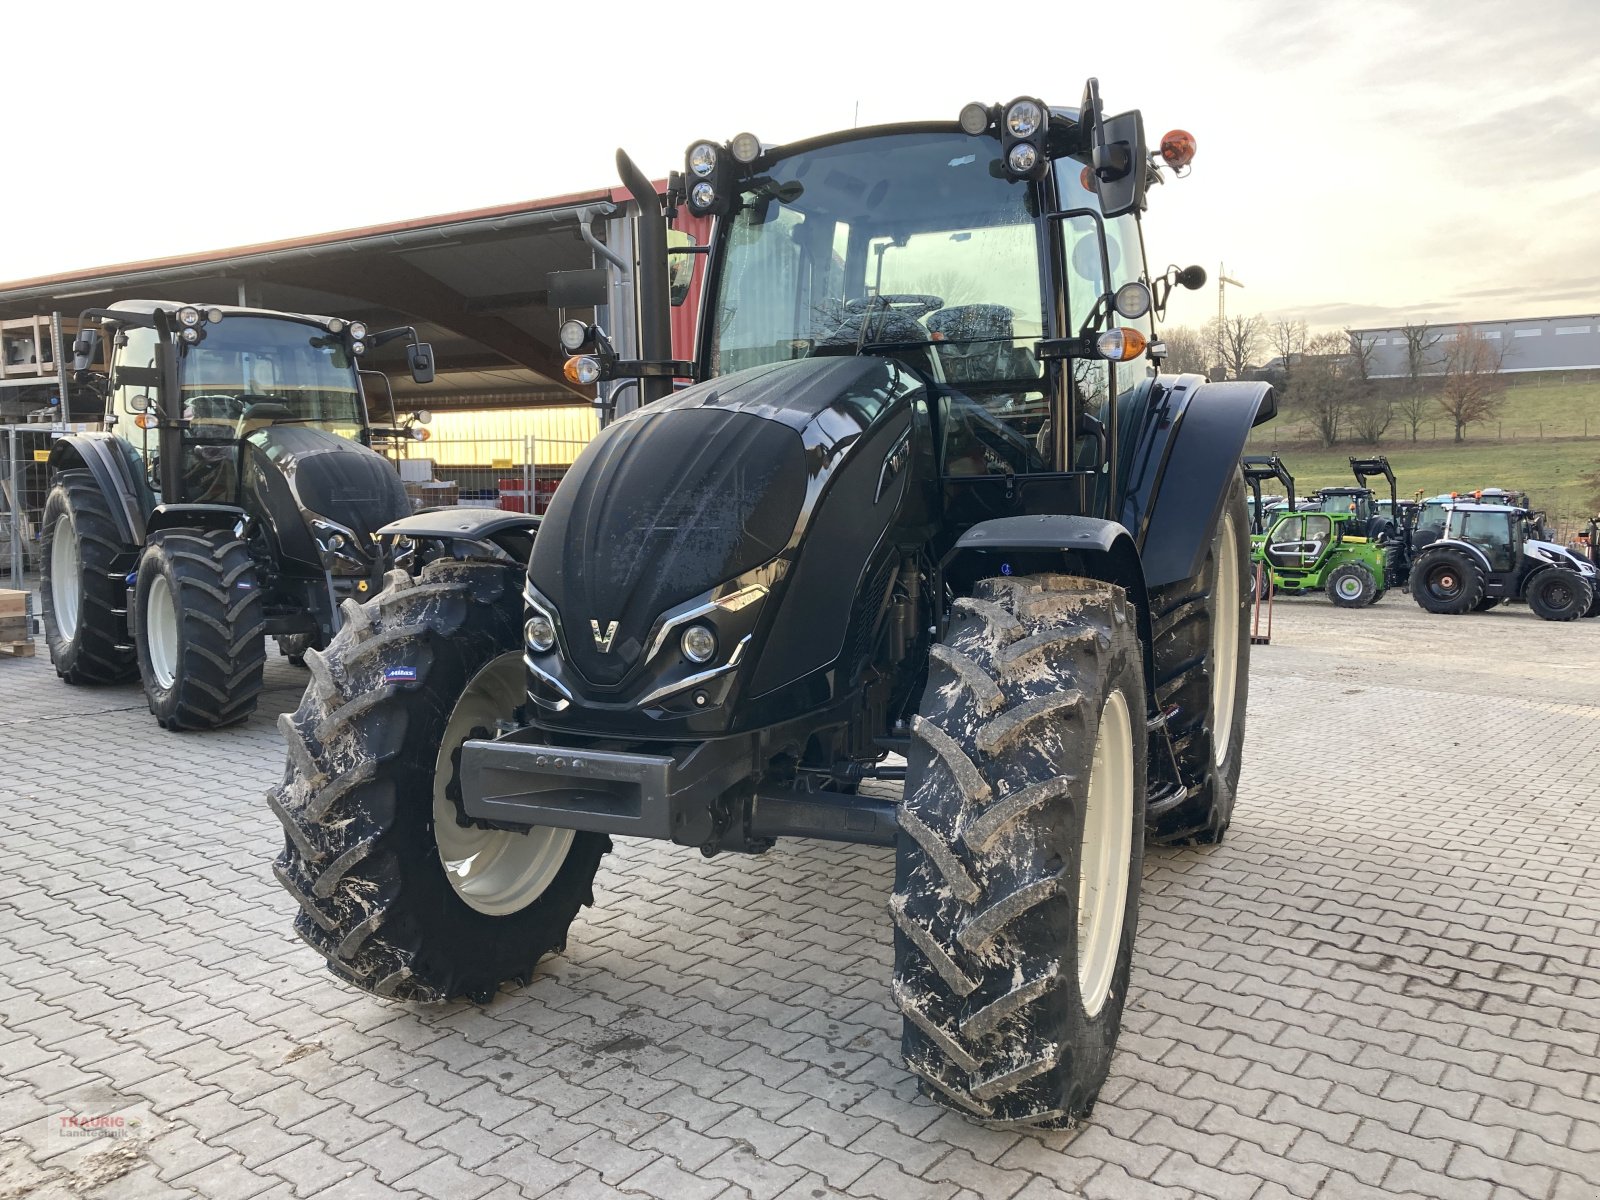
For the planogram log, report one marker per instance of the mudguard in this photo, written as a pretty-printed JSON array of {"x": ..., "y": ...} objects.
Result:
[
  {"x": 194, "y": 516},
  {"x": 98, "y": 453},
  {"x": 471, "y": 524},
  {"x": 1186, "y": 437},
  {"x": 1056, "y": 542}
]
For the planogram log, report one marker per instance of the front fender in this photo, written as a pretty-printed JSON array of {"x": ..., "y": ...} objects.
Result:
[
  {"x": 1070, "y": 545},
  {"x": 1187, "y": 440}
]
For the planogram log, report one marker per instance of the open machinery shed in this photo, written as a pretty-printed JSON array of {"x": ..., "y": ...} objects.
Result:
[{"x": 489, "y": 288}]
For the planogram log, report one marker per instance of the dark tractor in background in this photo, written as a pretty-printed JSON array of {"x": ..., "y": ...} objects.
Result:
[
  {"x": 232, "y": 494},
  {"x": 929, "y": 496},
  {"x": 1488, "y": 554}
]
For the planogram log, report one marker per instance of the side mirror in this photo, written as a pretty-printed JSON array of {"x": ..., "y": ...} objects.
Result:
[
  {"x": 680, "y": 264},
  {"x": 419, "y": 357},
  {"x": 1122, "y": 156},
  {"x": 85, "y": 349}
]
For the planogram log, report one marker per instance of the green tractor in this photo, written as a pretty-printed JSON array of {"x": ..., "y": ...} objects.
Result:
[{"x": 1300, "y": 550}]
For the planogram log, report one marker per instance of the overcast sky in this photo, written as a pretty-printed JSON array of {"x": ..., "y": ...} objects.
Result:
[{"x": 1359, "y": 163}]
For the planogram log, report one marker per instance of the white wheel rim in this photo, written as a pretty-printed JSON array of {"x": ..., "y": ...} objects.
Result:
[
  {"x": 1349, "y": 587},
  {"x": 1106, "y": 855},
  {"x": 494, "y": 871},
  {"x": 161, "y": 631},
  {"x": 66, "y": 577},
  {"x": 1225, "y": 643}
]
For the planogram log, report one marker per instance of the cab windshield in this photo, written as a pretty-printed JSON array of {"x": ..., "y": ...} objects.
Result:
[
  {"x": 254, "y": 370},
  {"x": 905, "y": 240}
]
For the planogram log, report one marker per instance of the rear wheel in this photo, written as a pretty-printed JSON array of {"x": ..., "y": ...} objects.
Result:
[
  {"x": 1446, "y": 581},
  {"x": 1352, "y": 585},
  {"x": 1017, "y": 877},
  {"x": 81, "y": 597},
  {"x": 398, "y": 890},
  {"x": 198, "y": 626},
  {"x": 1558, "y": 594},
  {"x": 1201, "y": 632}
]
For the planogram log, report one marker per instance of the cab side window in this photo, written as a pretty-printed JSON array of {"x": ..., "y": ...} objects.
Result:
[{"x": 135, "y": 357}]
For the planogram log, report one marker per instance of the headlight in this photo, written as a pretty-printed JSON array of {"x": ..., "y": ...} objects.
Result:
[
  {"x": 746, "y": 147},
  {"x": 214, "y": 315},
  {"x": 573, "y": 335},
  {"x": 974, "y": 118},
  {"x": 539, "y": 633},
  {"x": 358, "y": 347},
  {"x": 699, "y": 644},
  {"x": 1023, "y": 118},
  {"x": 1022, "y": 158},
  {"x": 358, "y": 330},
  {"x": 335, "y": 325},
  {"x": 703, "y": 195},
  {"x": 1132, "y": 300},
  {"x": 703, "y": 159},
  {"x": 191, "y": 335},
  {"x": 188, "y": 316}
]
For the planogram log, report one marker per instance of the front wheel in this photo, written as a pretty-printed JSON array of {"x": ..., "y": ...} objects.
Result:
[
  {"x": 198, "y": 625},
  {"x": 1352, "y": 585},
  {"x": 401, "y": 893},
  {"x": 1558, "y": 594},
  {"x": 1016, "y": 889}
]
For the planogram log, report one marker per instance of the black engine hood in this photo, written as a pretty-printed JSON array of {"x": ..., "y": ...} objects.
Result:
[
  {"x": 334, "y": 477},
  {"x": 689, "y": 493}
]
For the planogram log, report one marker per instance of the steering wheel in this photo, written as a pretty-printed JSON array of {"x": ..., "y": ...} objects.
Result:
[{"x": 913, "y": 304}]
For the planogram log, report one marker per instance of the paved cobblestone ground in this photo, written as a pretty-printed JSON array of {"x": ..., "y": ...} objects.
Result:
[{"x": 1386, "y": 982}]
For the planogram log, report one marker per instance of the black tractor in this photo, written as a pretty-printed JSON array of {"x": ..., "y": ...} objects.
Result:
[
  {"x": 233, "y": 494},
  {"x": 928, "y": 495},
  {"x": 1488, "y": 554}
]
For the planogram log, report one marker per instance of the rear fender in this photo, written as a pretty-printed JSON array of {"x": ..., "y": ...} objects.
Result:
[
  {"x": 98, "y": 453},
  {"x": 1055, "y": 543},
  {"x": 1187, "y": 442},
  {"x": 1467, "y": 548}
]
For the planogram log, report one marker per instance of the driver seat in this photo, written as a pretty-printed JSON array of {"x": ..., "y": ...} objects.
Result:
[{"x": 976, "y": 343}]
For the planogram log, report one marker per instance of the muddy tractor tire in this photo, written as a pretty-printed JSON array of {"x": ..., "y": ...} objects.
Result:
[
  {"x": 1201, "y": 628},
  {"x": 82, "y": 601},
  {"x": 199, "y": 628},
  {"x": 1016, "y": 889},
  {"x": 398, "y": 890}
]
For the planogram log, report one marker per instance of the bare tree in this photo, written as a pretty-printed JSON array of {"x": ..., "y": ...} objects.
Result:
[
  {"x": 1187, "y": 351},
  {"x": 1324, "y": 385},
  {"x": 1472, "y": 390},
  {"x": 1287, "y": 340},
  {"x": 1414, "y": 402},
  {"x": 1371, "y": 410},
  {"x": 1236, "y": 342}
]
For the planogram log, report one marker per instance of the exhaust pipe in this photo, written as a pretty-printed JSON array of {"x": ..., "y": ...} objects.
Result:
[{"x": 651, "y": 298}]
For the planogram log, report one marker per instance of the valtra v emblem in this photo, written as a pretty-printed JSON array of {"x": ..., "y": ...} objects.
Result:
[{"x": 602, "y": 641}]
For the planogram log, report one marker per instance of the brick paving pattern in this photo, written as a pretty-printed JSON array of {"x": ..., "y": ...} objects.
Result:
[{"x": 1386, "y": 982}]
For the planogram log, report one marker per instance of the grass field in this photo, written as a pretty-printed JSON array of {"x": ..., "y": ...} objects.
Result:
[{"x": 1549, "y": 470}]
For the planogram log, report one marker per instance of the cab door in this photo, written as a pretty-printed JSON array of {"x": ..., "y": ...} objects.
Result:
[{"x": 136, "y": 397}]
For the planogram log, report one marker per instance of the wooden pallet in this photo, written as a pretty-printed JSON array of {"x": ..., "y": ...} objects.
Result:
[{"x": 16, "y": 625}]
